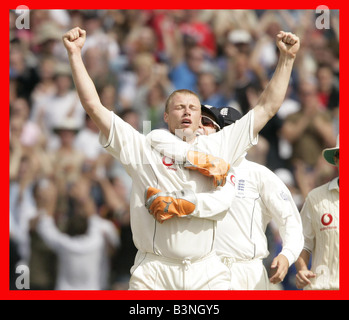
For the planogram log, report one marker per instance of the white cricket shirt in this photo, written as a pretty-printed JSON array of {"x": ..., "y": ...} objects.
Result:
[
  {"x": 260, "y": 196},
  {"x": 320, "y": 217},
  {"x": 176, "y": 238}
]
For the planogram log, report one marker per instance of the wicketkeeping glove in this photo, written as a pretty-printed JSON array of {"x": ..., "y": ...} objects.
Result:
[
  {"x": 165, "y": 205},
  {"x": 208, "y": 165}
]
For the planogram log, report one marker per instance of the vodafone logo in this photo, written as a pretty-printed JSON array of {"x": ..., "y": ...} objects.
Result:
[
  {"x": 326, "y": 219},
  {"x": 232, "y": 179},
  {"x": 168, "y": 162}
]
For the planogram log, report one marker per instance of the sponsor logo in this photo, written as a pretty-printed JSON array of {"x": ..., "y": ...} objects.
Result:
[
  {"x": 326, "y": 220},
  {"x": 169, "y": 163}
]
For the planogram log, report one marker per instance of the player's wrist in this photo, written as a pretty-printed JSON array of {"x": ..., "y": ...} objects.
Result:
[
  {"x": 288, "y": 256},
  {"x": 74, "y": 53},
  {"x": 287, "y": 57}
]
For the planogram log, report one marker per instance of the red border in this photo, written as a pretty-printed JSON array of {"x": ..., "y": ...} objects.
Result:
[{"x": 6, "y": 294}]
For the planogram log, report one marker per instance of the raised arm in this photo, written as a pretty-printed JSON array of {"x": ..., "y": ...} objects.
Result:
[
  {"x": 273, "y": 95},
  {"x": 74, "y": 41}
]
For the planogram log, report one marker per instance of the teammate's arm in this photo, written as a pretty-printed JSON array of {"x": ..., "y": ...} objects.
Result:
[
  {"x": 303, "y": 273},
  {"x": 273, "y": 95},
  {"x": 74, "y": 41},
  {"x": 185, "y": 203},
  {"x": 191, "y": 156},
  {"x": 280, "y": 205}
]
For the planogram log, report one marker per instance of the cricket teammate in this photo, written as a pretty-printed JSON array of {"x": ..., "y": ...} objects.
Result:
[
  {"x": 178, "y": 254},
  {"x": 320, "y": 217},
  {"x": 259, "y": 197}
]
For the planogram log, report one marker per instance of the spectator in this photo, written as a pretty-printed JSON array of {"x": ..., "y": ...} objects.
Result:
[
  {"x": 86, "y": 141},
  {"x": 82, "y": 249},
  {"x": 67, "y": 161},
  {"x": 46, "y": 86},
  {"x": 108, "y": 94},
  {"x": 24, "y": 77},
  {"x": 151, "y": 91},
  {"x": 195, "y": 31},
  {"x": 208, "y": 89},
  {"x": 47, "y": 39},
  {"x": 64, "y": 104},
  {"x": 99, "y": 39},
  {"x": 23, "y": 170},
  {"x": 156, "y": 97},
  {"x": 30, "y": 133},
  {"x": 310, "y": 130},
  {"x": 184, "y": 73},
  {"x": 328, "y": 87}
]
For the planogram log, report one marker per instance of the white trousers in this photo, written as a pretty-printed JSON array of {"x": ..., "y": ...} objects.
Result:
[
  {"x": 247, "y": 275},
  {"x": 153, "y": 272}
]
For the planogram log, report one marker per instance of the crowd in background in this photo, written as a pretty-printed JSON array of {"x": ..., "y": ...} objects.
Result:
[{"x": 136, "y": 58}]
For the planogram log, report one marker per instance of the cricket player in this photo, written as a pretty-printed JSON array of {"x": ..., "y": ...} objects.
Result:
[
  {"x": 178, "y": 254},
  {"x": 320, "y": 217},
  {"x": 259, "y": 197}
]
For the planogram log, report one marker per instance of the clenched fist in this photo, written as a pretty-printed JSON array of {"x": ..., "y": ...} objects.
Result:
[
  {"x": 288, "y": 43},
  {"x": 74, "y": 40}
]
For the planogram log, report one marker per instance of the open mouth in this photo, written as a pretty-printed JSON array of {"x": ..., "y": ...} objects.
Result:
[{"x": 186, "y": 122}]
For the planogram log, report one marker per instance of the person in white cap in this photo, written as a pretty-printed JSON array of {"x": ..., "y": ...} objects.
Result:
[{"x": 320, "y": 217}]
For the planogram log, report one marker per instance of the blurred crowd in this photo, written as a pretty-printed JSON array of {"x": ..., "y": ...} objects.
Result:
[{"x": 136, "y": 58}]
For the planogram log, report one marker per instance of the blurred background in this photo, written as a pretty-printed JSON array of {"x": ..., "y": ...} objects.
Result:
[{"x": 136, "y": 58}]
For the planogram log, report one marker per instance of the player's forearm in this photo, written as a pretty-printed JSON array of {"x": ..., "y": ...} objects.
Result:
[
  {"x": 292, "y": 241},
  {"x": 84, "y": 85},
  {"x": 169, "y": 145},
  {"x": 215, "y": 205},
  {"x": 273, "y": 95},
  {"x": 303, "y": 261}
]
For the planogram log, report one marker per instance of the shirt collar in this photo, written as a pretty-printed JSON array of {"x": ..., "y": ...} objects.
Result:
[{"x": 334, "y": 184}]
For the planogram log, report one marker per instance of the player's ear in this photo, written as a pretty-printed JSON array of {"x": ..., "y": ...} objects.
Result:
[{"x": 166, "y": 117}]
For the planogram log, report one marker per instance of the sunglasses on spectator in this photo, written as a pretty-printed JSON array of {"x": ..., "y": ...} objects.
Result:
[{"x": 208, "y": 122}]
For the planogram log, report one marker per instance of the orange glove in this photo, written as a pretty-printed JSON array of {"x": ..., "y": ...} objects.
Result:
[
  {"x": 209, "y": 166},
  {"x": 165, "y": 205}
]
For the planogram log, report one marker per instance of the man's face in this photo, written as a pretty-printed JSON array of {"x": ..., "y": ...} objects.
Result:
[
  {"x": 208, "y": 124},
  {"x": 183, "y": 114}
]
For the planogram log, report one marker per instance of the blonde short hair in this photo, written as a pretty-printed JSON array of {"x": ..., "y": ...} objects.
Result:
[{"x": 180, "y": 91}]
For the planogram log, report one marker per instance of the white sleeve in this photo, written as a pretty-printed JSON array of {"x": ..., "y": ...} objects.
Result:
[
  {"x": 49, "y": 233},
  {"x": 60, "y": 241},
  {"x": 109, "y": 231},
  {"x": 308, "y": 230},
  {"x": 124, "y": 142},
  {"x": 279, "y": 203},
  {"x": 210, "y": 205},
  {"x": 233, "y": 141},
  {"x": 169, "y": 145},
  {"x": 215, "y": 204}
]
